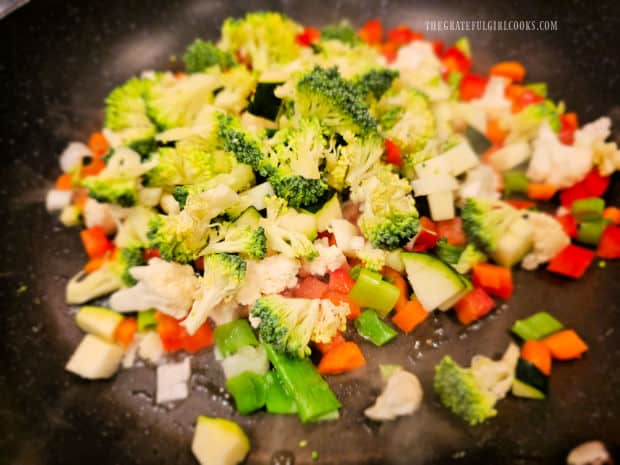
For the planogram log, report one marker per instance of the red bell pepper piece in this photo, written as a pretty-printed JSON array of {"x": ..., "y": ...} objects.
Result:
[
  {"x": 402, "y": 35},
  {"x": 521, "y": 204},
  {"x": 427, "y": 237},
  {"x": 572, "y": 261},
  {"x": 496, "y": 280},
  {"x": 372, "y": 32},
  {"x": 310, "y": 288},
  {"x": 512, "y": 70},
  {"x": 151, "y": 253},
  {"x": 308, "y": 36},
  {"x": 96, "y": 244},
  {"x": 609, "y": 245},
  {"x": 341, "y": 281},
  {"x": 472, "y": 86},
  {"x": 175, "y": 337},
  {"x": 389, "y": 50},
  {"x": 392, "y": 153},
  {"x": 325, "y": 347},
  {"x": 568, "y": 224},
  {"x": 452, "y": 230},
  {"x": 569, "y": 126},
  {"x": 593, "y": 185},
  {"x": 455, "y": 60},
  {"x": 473, "y": 306},
  {"x": 437, "y": 46},
  {"x": 337, "y": 298}
]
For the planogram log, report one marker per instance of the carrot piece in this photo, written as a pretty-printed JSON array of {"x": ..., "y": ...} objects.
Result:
[
  {"x": 565, "y": 345},
  {"x": 510, "y": 69},
  {"x": 537, "y": 353},
  {"x": 337, "y": 298},
  {"x": 389, "y": 50},
  {"x": 80, "y": 197},
  {"x": 95, "y": 166},
  {"x": 393, "y": 154},
  {"x": 95, "y": 242},
  {"x": 410, "y": 316},
  {"x": 495, "y": 133},
  {"x": 202, "y": 338},
  {"x": 125, "y": 331},
  {"x": 612, "y": 214},
  {"x": 496, "y": 280},
  {"x": 340, "y": 280},
  {"x": 473, "y": 306},
  {"x": 401, "y": 284},
  {"x": 342, "y": 358},
  {"x": 94, "y": 264},
  {"x": 452, "y": 230},
  {"x": 541, "y": 191},
  {"x": 310, "y": 288},
  {"x": 151, "y": 253},
  {"x": 64, "y": 182},
  {"x": 98, "y": 144},
  {"x": 520, "y": 204},
  {"x": 325, "y": 347},
  {"x": 372, "y": 32}
]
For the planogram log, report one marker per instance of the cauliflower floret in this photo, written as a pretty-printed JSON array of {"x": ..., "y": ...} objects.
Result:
[
  {"x": 271, "y": 275},
  {"x": 167, "y": 286},
  {"x": 330, "y": 258},
  {"x": 496, "y": 376},
  {"x": 480, "y": 182},
  {"x": 99, "y": 214},
  {"x": 555, "y": 163},
  {"x": 593, "y": 135},
  {"x": 494, "y": 100},
  {"x": 402, "y": 396},
  {"x": 549, "y": 239},
  {"x": 331, "y": 318}
]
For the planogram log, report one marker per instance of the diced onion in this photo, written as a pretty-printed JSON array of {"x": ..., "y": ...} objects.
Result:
[
  {"x": 74, "y": 152},
  {"x": 57, "y": 200}
]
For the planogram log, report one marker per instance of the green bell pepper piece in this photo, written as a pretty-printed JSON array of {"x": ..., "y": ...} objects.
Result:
[
  {"x": 588, "y": 209},
  {"x": 230, "y": 337},
  {"x": 370, "y": 290},
  {"x": 537, "y": 326},
  {"x": 371, "y": 327},
  {"x": 515, "y": 182},
  {"x": 276, "y": 399},
  {"x": 146, "y": 320},
  {"x": 590, "y": 232},
  {"x": 248, "y": 389}
]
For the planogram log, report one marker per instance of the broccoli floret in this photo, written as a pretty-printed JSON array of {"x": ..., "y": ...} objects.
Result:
[
  {"x": 373, "y": 259},
  {"x": 223, "y": 276},
  {"x": 129, "y": 257},
  {"x": 286, "y": 323},
  {"x": 342, "y": 32},
  {"x": 233, "y": 238},
  {"x": 126, "y": 115},
  {"x": 293, "y": 162},
  {"x": 447, "y": 252},
  {"x": 324, "y": 94},
  {"x": 281, "y": 233},
  {"x": 389, "y": 218},
  {"x": 375, "y": 82},
  {"x": 497, "y": 228},
  {"x": 459, "y": 391},
  {"x": 201, "y": 55},
  {"x": 175, "y": 103},
  {"x": 470, "y": 257},
  {"x": 239, "y": 84},
  {"x": 242, "y": 144},
  {"x": 181, "y": 237},
  {"x": 263, "y": 39}
]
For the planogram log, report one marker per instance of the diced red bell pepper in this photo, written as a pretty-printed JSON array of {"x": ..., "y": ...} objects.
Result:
[
  {"x": 609, "y": 245},
  {"x": 389, "y": 50},
  {"x": 593, "y": 185},
  {"x": 199, "y": 263},
  {"x": 202, "y": 338},
  {"x": 521, "y": 97},
  {"x": 325, "y": 347},
  {"x": 473, "y": 306},
  {"x": 472, "y": 87},
  {"x": 612, "y": 214},
  {"x": 521, "y": 204},
  {"x": 437, "y": 46},
  {"x": 392, "y": 153},
  {"x": 572, "y": 261},
  {"x": 308, "y": 36},
  {"x": 64, "y": 182},
  {"x": 568, "y": 224},
  {"x": 98, "y": 144},
  {"x": 569, "y": 126},
  {"x": 452, "y": 230},
  {"x": 402, "y": 35},
  {"x": 427, "y": 237},
  {"x": 93, "y": 168},
  {"x": 175, "y": 337},
  {"x": 512, "y": 70},
  {"x": 372, "y": 32},
  {"x": 310, "y": 288},
  {"x": 151, "y": 253},
  {"x": 337, "y": 298},
  {"x": 496, "y": 280},
  {"x": 341, "y": 281},
  {"x": 96, "y": 244},
  {"x": 455, "y": 60},
  {"x": 331, "y": 239}
]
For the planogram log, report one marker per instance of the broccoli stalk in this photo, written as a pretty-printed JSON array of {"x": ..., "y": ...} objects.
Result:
[
  {"x": 223, "y": 276},
  {"x": 244, "y": 240},
  {"x": 201, "y": 55}
]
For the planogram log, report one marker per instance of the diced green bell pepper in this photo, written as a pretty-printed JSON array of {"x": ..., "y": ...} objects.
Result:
[
  {"x": 590, "y": 232},
  {"x": 588, "y": 209},
  {"x": 370, "y": 290},
  {"x": 146, "y": 320},
  {"x": 537, "y": 326},
  {"x": 230, "y": 337},
  {"x": 276, "y": 399},
  {"x": 515, "y": 182},
  {"x": 371, "y": 327},
  {"x": 248, "y": 389}
]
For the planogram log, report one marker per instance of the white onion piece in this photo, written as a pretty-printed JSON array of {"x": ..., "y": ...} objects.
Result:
[
  {"x": 172, "y": 381},
  {"x": 57, "y": 200},
  {"x": 71, "y": 155}
]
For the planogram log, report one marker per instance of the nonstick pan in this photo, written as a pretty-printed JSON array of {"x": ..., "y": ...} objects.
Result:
[{"x": 59, "y": 60}]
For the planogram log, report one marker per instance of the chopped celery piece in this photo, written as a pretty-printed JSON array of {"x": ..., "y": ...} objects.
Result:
[
  {"x": 277, "y": 399},
  {"x": 371, "y": 327},
  {"x": 248, "y": 390},
  {"x": 230, "y": 337},
  {"x": 515, "y": 182},
  {"x": 590, "y": 232},
  {"x": 299, "y": 377},
  {"x": 537, "y": 326},
  {"x": 588, "y": 209},
  {"x": 146, "y": 320},
  {"x": 370, "y": 290}
]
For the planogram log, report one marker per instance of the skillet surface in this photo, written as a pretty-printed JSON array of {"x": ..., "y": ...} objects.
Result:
[{"x": 59, "y": 60}]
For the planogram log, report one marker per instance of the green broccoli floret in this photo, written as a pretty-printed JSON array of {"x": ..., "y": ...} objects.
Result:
[
  {"x": 293, "y": 161},
  {"x": 342, "y": 32},
  {"x": 232, "y": 238},
  {"x": 129, "y": 257},
  {"x": 181, "y": 237},
  {"x": 389, "y": 218},
  {"x": 223, "y": 276},
  {"x": 470, "y": 257},
  {"x": 239, "y": 84},
  {"x": 263, "y": 39},
  {"x": 242, "y": 144},
  {"x": 126, "y": 115},
  {"x": 286, "y": 323},
  {"x": 459, "y": 391},
  {"x": 447, "y": 252},
  {"x": 282, "y": 231},
  {"x": 375, "y": 82},
  {"x": 324, "y": 94},
  {"x": 175, "y": 103},
  {"x": 498, "y": 229},
  {"x": 201, "y": 55}
]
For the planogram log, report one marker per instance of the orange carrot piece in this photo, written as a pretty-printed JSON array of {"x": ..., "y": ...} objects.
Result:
[
  {"x": 612, "y": 214},
  {"x": 565, "y": 345},
  {"x": 510, "y": 69},
  {"x": 537, "y": 353},
  {"x": 495, "y": 133},
  {"x": 342, "y": 358},
  {"x": 94, "y": 264},
  {"x": 337, "y": 298},
  {"x": 410, "y": 316},
  {"x": 64, "y": 182},
  {"x": 125, "y": 331},
  {"x": 98, "y": 144},
  {"x": 80, "y": 197},
  {"x": 325, "y": 347},
  {"x": 95, "y": 166},
  {"x": 401, "y": 284},
  {"x": 541, "y": 191}
]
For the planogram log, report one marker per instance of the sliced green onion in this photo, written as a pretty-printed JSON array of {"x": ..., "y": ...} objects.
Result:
[
  {"x": 230, "y": 337},
  {"x": 371, "y": 291},
  {"x": 537, "y": 326},
  {"x": 515, "y": 182},
  {"x": 588, "y": 209},
  {"x": 372, "y": 328}
]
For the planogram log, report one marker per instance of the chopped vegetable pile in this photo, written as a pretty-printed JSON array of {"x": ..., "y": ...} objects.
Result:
[{"x": 294, "y": 185}]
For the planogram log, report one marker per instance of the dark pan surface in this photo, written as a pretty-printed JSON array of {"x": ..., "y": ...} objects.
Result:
[{"x": 60, "y": 58}]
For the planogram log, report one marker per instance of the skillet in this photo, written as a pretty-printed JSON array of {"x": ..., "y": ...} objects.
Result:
[{"x": 58, "y": 61}]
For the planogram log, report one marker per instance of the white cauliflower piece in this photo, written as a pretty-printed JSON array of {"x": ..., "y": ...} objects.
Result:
[
  {"x": 593, "y": 135},
  {"x": 225, "y": 312},
  {"x": 99, "y": 214},
  {"x": 150, "y": 347},
  {"x": 271, "y": 275},
  {"x": 549, "y": 240},
  {"x": 496, "y": 376},
  {"x": 331, "y": 318},
  {"x": 494, "y": 100},
  {"x": 330, "y": 258},
  {"x": 167, "y": 286},
  {"x": 480, "y": 182},
  {"x": 133, "y": 230},
  {"x": 401, "y": 396},
  {"x": 555, "y": 163}
]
